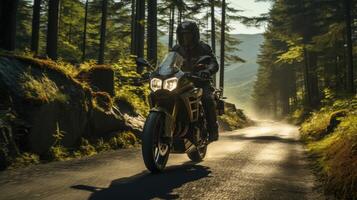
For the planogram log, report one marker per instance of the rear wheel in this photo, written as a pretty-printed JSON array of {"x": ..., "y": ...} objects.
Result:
[
  {"x": 155, "y": 151},
  {"x": 198, "y": 153}
]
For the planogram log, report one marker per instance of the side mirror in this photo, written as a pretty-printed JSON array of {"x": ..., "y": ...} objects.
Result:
[{"x": 142, "y": 62}]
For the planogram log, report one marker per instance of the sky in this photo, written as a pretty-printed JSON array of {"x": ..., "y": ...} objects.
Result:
[{"x": 250, "y": 8}]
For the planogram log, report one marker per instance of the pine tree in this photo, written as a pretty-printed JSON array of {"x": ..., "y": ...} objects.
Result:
[
  {"x": 84, "y": 43},
  {"x": 36, "y": 26},
  {"x": 8, "y": 10},
  {"x": 52, "y": 27},
  {"x": 103, "y": 30},
  {"x": 152, "y": 31},
  {"x": 223, "y": 40}
]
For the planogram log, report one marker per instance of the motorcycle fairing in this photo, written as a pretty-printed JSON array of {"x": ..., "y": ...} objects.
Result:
[{"x": 192, "y": 99}]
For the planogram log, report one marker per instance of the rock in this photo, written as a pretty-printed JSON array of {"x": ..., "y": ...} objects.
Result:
[
  {"x": 233, "y": 118},
  {"x": 100, "y": 79},
  {"x": 71, "y": 119},
  {"x": 335, "y": 120},
  {"x": 105, "y": 122},
  {"x": 54, "y": 101}
]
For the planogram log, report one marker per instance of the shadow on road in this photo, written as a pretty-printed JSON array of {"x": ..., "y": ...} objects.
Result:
[
  {"x": 263, "y": 139},
  {"x": 148, "y": 186}
]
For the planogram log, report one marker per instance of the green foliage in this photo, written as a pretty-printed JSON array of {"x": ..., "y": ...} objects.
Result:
[
  {"x": 338, "y": 158},
  {"x": 41, "y": 89},
  {"x": 334, "y": 148},
  {"x": 129, "y": 138},
  {"x": 303, "y": 59},
  {"x": 315, "y": 127},
  {"x": 101, "y": 145},
  {"x": 127, "y": 90},
  {"x": 57, "y": 152},
  {"x": 25, "y": 159},
  {"x": 86, "y": 149},
  {"x": 233, "y": 120},
  {"x": 135, "y": 96},
  {"x": 294, "y": 54},
  {"x": 71, "y": 23}
]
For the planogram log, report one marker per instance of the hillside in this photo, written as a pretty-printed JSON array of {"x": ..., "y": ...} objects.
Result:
[{"x": 240, "y": 77}]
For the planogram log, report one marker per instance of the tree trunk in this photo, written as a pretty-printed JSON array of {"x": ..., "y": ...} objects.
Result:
[
  {"x": 314, "y": 81},
  {"x": 348, "y": 21},
  {"x": 213, "y": 34},
  {"x": 152, "y": 31},
  {"x": 179, "y": 17},
  {"x": 52, "y": 29},
  {"x": 140, "y": 30},
  {"x": 307, "y": 79},
  {"x": 223, "y": 38},
  {"x": 103, "y": 29},
  {"x": 35, "y": 26},
  {"x": 85, "y": 32},
  {"x": 8, "y": 9},
  {"x": 171, "y": 26},
  {"x": 133, "y": 23}
]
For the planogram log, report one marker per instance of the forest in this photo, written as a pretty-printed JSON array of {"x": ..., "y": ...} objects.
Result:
[
  {"x": 307, "y": 75},
  {"x": 307, "y": 57},
  {"x": 77, "y": 31},
  {"x": 49, "y": 48}
]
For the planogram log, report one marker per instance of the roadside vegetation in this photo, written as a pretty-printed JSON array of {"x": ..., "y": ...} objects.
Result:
[
  {"x": 306, "y": 74},
  {"x": 331, "y": 138},
  {"x": 233, "y": 118},
  {"x": 85, "y": 148},
  {"x": 41, "y": 89}
]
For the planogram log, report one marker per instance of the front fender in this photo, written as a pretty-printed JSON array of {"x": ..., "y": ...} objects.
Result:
[{"x": 169, "y": 121}]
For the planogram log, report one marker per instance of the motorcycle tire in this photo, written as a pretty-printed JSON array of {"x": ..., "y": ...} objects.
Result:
[{"x": 155, "y": 152}]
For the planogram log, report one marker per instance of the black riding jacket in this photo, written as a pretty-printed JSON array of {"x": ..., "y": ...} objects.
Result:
[{"x": 192, "y": 55}]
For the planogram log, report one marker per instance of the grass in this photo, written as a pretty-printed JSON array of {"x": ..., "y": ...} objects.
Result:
[
  {"x": 334, "y": 149},
  {"x": 41, "y": 89},
  {"x": 25, "y": 159},
  {"x": 315, "y": 126}
]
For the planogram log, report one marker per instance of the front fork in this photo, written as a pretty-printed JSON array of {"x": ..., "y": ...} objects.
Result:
[{"x": 169, "y": 123}]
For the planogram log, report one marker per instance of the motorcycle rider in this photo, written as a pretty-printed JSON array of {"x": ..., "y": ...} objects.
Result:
[{"x": 191, "y": 49}]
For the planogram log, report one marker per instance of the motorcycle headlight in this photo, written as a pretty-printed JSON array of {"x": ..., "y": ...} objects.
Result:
[
  {"x": 170, "y": 84},
  {"x": 155, "y": 84}
]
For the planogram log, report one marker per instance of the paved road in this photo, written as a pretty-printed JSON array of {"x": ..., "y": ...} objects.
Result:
[{"x": 262, "y": 162}]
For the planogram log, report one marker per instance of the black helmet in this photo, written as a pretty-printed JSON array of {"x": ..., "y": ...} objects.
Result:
[{"x": 188, "y": 30}]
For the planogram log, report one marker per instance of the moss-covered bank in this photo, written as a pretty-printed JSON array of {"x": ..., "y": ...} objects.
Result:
[{"x": 331, "y": 138}]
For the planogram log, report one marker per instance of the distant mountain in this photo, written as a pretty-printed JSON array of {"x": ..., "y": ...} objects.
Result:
[{"x": 240, "y": 77}]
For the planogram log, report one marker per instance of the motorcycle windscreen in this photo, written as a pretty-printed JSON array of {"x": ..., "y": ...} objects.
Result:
[{"x": 171, "y": 64}]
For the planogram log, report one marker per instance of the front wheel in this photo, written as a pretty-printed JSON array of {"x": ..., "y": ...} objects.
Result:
[
  {"x": 154, "y": 150},
  {"x": 198, "y": 153}
]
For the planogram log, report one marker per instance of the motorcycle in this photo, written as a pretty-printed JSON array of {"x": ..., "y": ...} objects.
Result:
[{"x": 176, "y": 122}]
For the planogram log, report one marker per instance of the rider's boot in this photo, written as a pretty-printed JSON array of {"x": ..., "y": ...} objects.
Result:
[{"x": 212, "y": 123}]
